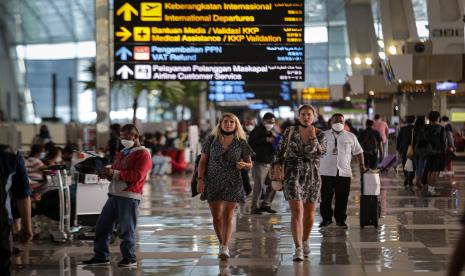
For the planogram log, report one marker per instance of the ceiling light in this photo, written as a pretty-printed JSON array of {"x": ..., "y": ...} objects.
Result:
[
  {"x": 453, "y": 92},
  {"x": 418, "y": 82},
  {"x": 382, "y": 55},
  {"x": 348, "y": 99},
  {"x": 381, "y": 43},
  {"x": 368, "y": 61},
  {"x": 371, "y": 93},
  {"x": 392, "y": 50},
  {"x": 400, "y": 81},
  {"x": 348, "y": 61},
  {"x": 357, "y": 61}
]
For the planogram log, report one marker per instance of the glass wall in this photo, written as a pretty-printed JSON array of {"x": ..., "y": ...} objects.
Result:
[{"x": 326, "y": 43}]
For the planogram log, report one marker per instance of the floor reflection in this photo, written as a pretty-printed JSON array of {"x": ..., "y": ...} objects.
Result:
[{"x": 175, "y": 237}]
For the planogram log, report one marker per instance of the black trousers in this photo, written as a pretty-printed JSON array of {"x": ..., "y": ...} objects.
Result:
[
  {"x": 371, "y": 160},
  {"x": 408, "y": 180},
  {"x": 334, "y": 186},
  {"x": 5, "y": 250}
]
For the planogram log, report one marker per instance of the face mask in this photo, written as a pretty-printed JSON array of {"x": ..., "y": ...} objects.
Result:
[
  {"x": 269, "y": 127},
  {"x": 249, "y": 128},
  {"x": 42, "y": 155},
  {"x": 227, "y": 133},
  {"x": 337, "y": 127},
  {"x": 127, "y": 143}
]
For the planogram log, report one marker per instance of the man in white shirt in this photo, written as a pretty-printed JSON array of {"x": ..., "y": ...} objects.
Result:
[{"x": 336, "y": 172}]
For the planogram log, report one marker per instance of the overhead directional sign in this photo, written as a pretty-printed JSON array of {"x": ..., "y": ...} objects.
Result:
[
  {"x": 236, "y": 40},
  {"x": 127, "y": 11}
]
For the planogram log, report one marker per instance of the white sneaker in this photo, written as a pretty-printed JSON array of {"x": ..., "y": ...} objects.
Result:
[
  {"x": 431, "y": 191},
  {"x": 298, "y": 255},
  {"x": 224, "y": 253},
  {"x": 307, "y": 249}
]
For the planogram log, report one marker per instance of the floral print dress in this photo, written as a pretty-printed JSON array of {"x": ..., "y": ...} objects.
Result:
[
  {"x": 223, "y": 181},
  {"x": 301, "y": 176}
]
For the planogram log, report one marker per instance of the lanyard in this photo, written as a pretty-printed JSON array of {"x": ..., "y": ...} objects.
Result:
[
  {"x": 335, "y": 143},
  {"x": 335, "y": 139}
]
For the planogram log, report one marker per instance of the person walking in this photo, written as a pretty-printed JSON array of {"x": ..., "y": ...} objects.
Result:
[
  {"x": 336, "y": 172},
  {"x": 383, "y": 129},
  {"x": 372, "y": 145},
  {"x": 404, "y": 140},
  {"x": 436, "y": 136},
  {"x": 450, "y": 153},
  {"x": 296, "y": 163},
  {"x": 14, "y": 185},
  {"x": 224, "y": 154},
  {"x": 420, "y": 151},
  {"x": 261, "y": 141},
  {"x": 127, "y": 175}
]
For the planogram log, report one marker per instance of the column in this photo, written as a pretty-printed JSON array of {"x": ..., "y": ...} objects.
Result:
[
  {"x": 398, "y": 23},
  {"x": 362, "y": 39},
  {"x": 445, "y": 19},
  {"x": 102, "y": 65}
]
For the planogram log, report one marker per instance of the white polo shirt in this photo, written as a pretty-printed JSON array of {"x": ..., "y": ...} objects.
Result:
[{"x": 347, "y": 146}]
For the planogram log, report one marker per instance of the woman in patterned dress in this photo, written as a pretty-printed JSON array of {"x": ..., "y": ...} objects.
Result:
[
  {"x": 299, "y": 155},
  {"x": 224, "y": 153}
]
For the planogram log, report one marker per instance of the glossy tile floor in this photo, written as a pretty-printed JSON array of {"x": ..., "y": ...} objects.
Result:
[{"x": 175, "y": 237}]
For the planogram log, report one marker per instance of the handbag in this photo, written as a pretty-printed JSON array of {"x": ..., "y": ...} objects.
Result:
[
  {"x": 276, "y": 184},
  {"x": 410, "y": 151},
  {"x": 408, "y": 167},
  {"x": 196, "y": 170}
]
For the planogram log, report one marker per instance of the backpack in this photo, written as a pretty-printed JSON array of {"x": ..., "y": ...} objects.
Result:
[
  {"x": 92, "y": 165},
  {"x": 422, "y": 146},
  {"x": 434, "y": 135},
  {"x": 368, "y": 142}
]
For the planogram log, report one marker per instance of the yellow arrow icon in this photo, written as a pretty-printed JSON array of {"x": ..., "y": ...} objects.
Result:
[
  {"x": 124, "y": 34},
  {"x": 127, "y": 10}
]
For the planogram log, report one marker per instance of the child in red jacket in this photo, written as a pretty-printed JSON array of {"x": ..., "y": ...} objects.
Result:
[{"x": 127, "y": 176}]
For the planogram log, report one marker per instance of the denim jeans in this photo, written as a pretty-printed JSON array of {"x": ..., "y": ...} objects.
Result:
[
  {"x": 160, "y": 164},
  {"x": 119, "y": 210}
]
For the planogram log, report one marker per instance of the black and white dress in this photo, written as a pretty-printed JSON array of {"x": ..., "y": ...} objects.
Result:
[
  {"x": 223, "y": 180},
  {"x": 301, "y": 167}
]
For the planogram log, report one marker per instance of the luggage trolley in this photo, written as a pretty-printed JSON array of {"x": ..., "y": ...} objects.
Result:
[{"x": 57, "y": 178}]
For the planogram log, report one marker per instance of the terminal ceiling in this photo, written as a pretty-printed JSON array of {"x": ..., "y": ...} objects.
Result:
[{"x": 58, "y": 21}]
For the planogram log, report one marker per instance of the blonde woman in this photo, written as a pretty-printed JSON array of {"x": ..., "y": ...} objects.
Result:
[
  {"x": 223, "y": 155},
  {"x": 300, "y": 154}
]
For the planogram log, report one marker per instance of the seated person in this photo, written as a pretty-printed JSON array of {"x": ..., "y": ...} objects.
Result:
[
  {"x": 160, "y": 162},
  {"x": 34, "y": 163},
  {"x": 54, "y": 157}
]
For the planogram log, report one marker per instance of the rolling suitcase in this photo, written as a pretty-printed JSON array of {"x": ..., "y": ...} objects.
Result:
[
  {"x": 369, "y": 208},
  {"x": 387, "y": 163}
]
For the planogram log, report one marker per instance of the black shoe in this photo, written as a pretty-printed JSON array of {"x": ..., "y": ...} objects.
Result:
[
  {"x": 127, "y": 263},
  {"x": 16, "y": 251},
  {"x": 342, "y": 225},
  {"x": 256, "y": 211},
  {"x": 325, "y": 223},
  {"x": 267, "y": 209},
  {"x": 96, "y": 262}
]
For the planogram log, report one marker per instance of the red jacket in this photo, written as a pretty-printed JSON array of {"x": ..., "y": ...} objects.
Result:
[{"x": 130, "y": 173}]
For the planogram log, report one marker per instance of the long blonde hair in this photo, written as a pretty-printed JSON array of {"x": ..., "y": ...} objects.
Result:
[{"x": 239, "y": 132}]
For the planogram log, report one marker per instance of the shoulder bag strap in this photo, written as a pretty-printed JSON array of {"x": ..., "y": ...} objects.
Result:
[{"x": 288, "y": 141}]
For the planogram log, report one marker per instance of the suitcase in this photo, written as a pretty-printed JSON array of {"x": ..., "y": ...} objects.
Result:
[
  {"x": 369, "y": 209},
  {"x": 387, "y": 163}
]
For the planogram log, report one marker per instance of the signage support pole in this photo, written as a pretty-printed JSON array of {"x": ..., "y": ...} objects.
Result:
[{"x": 102, "y": 69}]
